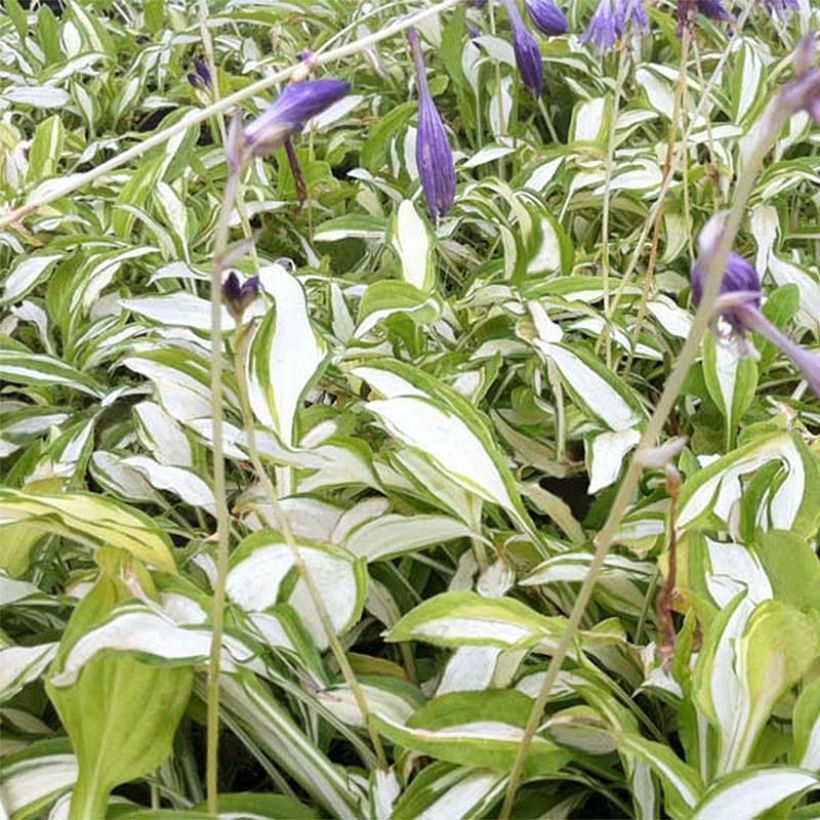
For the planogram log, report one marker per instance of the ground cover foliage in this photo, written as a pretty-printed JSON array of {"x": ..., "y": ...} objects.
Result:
[{"x": 443, "y": 406}]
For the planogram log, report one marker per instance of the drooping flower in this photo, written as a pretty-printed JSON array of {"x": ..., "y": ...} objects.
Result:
[
  {"x": 527, "y": 52},
  {"x": 547, "y": 17},
  {"x": 238, "y": 297},
  {"x": 614, "y": 19},
  {"x": 434, "y": 156},
  {"x": 688, "y": 11},
  {"x": 287, "y": 116},
  {"x": 713, "y": 9},
  {"x": 782, "y": 9},
  {"x": 602, "y": 31},
  {"x": 633, "y": 15},
  {"x": 739, "y": 305}
]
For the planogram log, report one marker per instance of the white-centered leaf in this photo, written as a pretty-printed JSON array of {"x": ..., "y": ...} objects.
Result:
[
  {"x": 411, "y": 240},
  {"x": 263, "y": 561},
  {"x": 286, "y": 355}
]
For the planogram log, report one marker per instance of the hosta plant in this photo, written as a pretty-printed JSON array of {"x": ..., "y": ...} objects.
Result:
[{"x": 409, "y": 409}]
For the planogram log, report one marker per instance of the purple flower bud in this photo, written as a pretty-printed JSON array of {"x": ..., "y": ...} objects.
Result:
[
  {"x": 238, "y": 297},
  {"x": 472, "y": 32},
  {"x": 713, "y": 9},
  {"x": 434, "y": 156},
  {"x": 304, "y": 54},
  {"x": 547, "y": 17},
  {"x": 289, "y": 113},
  {"x": 782, "y": 9},
  {"x": 743, "y": 313},
  {"x": 202, "y": 71},
  {"x": 477, "y": 4},
  {"x": 527, "y": 53}
]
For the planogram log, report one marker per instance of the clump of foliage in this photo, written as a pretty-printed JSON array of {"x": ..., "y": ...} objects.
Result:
[{"x": 368, "y": 447}]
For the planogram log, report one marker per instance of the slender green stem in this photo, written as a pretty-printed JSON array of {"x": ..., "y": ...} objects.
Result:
[
  {"x": 772, "y": 121},
  {"x": 283, "y": 525},
  {"x": 547, "y": 120},
  {"x": 222, "y": 521},
  {"x": 300, "y": 71}
]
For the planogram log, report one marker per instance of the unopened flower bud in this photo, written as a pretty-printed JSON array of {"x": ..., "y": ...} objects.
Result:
[
  {"x": 527, "y": 52},
  {"x": 238, "y": 297},
  {"x": 547, "y": 17}
]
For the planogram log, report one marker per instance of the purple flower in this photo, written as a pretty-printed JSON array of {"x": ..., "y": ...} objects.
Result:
[
  {"x": 527, "y": 53},
  {"x": 612, "y": 21},
  {"x": 782, "y": 9},
  {"x": 547, "y": 17},
  {"x": 289, "y": 113},
  {"x": 602, "y": 31},
  {"x": 739, "y": 304},
  {"x": 689, "y": 9},
  {"x": 632, "y": 13},
  {"x": 740, "y": 277},
  {"x": 803, "y": 92},
  {"x": 238, "y": 297},
  {"x": 434, "y": 156}
]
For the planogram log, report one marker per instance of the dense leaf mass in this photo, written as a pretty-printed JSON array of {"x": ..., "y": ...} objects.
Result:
[{"x": 457, "y": 276}]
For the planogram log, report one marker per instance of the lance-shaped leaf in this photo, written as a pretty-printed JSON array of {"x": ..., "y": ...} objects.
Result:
[
  {"x": 682, "y": 786},
  {"x": 751, "y": 656},
  {"x": 286, "y": 355},
  {"x": 753, "y": 792},
  {"x": 444, "y": 789},
  {"x": 465, "y": 618},
  {"x": 789, "y": 501},
  {"x": 263, "y": 561},
  {"x": 40, "y": 370},
  {"x": 20, "y": 665},
  {"x": 390, "y": 535},
  {"x": 148, "y": 634},
  {"x": 251, "y": 706},
  {"x": 90, "y": 519},
  {"x": 391, "y": 698},
  {"x": 601, "y": 394},
  {"x": 410, "y": 239},
  {"x": 480, "y": 729},
  {"x": 435, "y": 420},
  {"x": 731, "y": 381},
  {"x": 387, "y": 298},
  {"x": 33, "y": 777}
]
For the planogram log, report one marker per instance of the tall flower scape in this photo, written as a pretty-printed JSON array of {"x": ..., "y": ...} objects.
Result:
[{"x": 409, "y": 409}]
